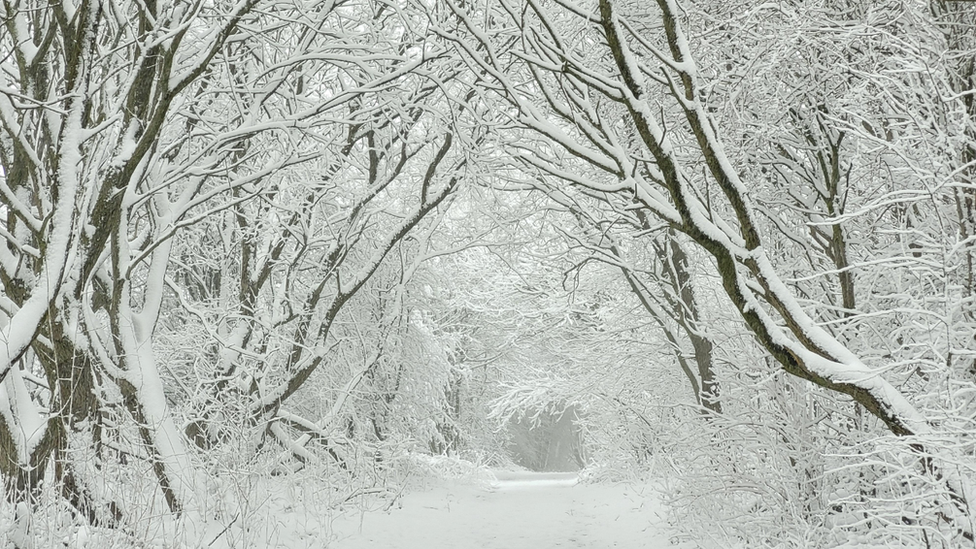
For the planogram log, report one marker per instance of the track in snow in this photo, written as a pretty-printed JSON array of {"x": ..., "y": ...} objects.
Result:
[{"x": 518, "y": 511}]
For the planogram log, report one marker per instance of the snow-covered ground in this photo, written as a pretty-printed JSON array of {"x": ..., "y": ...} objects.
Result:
[
  {"x": 519, "y": 510},
  {"x": 475, "y": 510}
]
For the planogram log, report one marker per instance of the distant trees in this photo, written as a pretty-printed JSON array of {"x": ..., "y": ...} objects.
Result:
[{"x": 662, "y": 282}]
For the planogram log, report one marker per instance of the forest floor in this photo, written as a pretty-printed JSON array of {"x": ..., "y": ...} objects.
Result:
[
  {"x": 477, "y": 509},
  {"x": 519, "y": 510}
]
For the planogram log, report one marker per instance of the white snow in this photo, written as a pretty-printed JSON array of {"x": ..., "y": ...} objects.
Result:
[{"x": 519, "y": 510}]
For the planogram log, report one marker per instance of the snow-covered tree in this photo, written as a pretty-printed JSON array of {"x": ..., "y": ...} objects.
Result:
[
  {"x": 609, "y": 97},
  {"x": 222, "y": 177}
]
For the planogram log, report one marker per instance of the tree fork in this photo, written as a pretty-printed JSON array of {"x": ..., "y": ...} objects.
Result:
[{"x": 789, "y": 359}]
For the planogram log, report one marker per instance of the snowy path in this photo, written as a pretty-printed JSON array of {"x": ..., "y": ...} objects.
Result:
[{"x": 521, "y": 511}]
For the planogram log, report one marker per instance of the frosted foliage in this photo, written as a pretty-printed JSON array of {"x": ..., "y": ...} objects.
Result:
[
  {"x": 802, "y": 149},
  {"x": 266, "y": 266}
]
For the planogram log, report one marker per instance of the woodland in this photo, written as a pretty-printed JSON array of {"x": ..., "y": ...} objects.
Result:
[{"x": 253, "y": 243}]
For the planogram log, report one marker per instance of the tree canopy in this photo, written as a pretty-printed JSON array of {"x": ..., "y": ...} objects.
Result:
[{"x": 735, "y": 241}]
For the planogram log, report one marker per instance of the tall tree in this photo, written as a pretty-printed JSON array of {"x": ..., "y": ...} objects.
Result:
[
  {"x": 616, "y": 88},
  {"x": 156, "y": 156}
]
